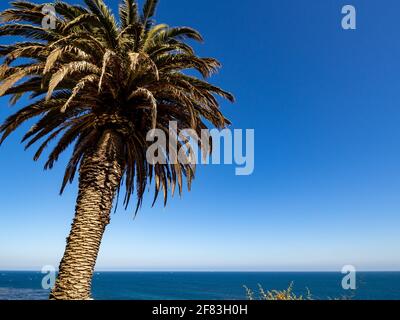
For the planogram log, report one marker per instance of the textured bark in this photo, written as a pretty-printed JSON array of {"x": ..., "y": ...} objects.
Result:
[{"x": 99, "y": 178}]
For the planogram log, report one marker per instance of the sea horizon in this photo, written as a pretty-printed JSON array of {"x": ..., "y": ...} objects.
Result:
[
  {"x": 214, "y": 271},
  {"x": 209, "y": 285}
]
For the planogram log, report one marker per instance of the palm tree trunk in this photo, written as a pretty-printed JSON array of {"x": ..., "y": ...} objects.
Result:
[{"x": 99, "y": 178}]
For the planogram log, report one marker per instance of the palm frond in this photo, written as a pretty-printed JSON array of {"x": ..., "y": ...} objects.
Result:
[
  {"x": 128, "y": 13},
  {"x": 149, "y": 10},
  {"x": 93, "y": 74}
]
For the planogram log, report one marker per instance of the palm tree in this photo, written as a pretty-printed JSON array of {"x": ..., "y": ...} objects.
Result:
[{"x": 99, "y": 86}]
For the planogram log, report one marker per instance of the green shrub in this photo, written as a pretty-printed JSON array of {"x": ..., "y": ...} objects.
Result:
[{"x": 287, "y": 294}]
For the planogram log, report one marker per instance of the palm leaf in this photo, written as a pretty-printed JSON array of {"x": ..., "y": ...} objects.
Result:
[{"x": 94, "y": 74}]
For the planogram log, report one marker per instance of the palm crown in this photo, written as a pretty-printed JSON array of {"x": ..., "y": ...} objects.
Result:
[{"x": 91, "y": 73}]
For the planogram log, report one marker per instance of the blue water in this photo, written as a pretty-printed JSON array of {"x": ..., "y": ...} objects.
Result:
[{"x": 207, "y": 285}]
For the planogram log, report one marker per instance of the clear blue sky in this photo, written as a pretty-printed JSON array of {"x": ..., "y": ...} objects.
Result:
[{"x": 325, "y": 104}]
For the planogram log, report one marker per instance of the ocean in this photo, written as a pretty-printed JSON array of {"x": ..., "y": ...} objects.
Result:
[{"x": 208, "y": 285}]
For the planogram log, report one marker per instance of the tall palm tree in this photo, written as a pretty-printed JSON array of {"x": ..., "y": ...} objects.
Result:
[{"x": 100, "y": 86}]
